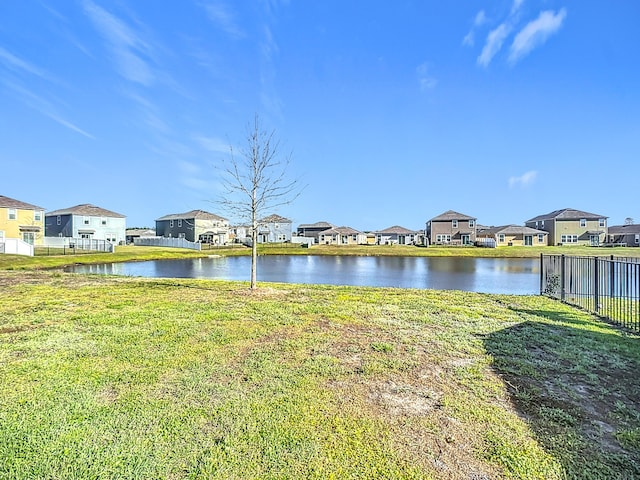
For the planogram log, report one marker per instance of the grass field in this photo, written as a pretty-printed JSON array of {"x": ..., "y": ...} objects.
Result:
[{"x": 107, "y": 377}]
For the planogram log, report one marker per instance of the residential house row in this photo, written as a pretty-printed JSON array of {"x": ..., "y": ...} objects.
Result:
[{"x": 25, "y": 223}]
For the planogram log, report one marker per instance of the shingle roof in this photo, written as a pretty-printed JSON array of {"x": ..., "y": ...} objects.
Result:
[
  {"x": 567, "y": 214},
  {"x": 625, "y": 229},
  {"x": 274, "y": 219},
  {"x": 196, "y": 214},
  {"x": 6, "y": 202},
  {"x": 451, "y": 215},
  {"x": 316, "y": 225},
  {"x": 513, "y": 230},
  {"x": 340, "y": 231},
  {"x": 396, "y": 230},
  {"x": 85, "y": 209}
]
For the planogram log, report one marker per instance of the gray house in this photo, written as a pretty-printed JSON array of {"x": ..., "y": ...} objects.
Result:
[
  {"x": 312, "y": 230},
  {"x": 628, "y": 235},
  {"x": 86, "y": 222},
  {"x": 274, "y": 229},
  {"x": 195, "y": 226}
]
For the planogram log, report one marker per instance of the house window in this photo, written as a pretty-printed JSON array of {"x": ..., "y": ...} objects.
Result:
[
  {"x": 276, "y": 226},
  {"x": 583, "y": 222},
  {"x": 637, "y": 240},
  {"x": 179, "y": 223},
  {"x": 37, "y": 216},
  {"x": 170, "y": 223},
  {"x": 542, "y": 224},
  {"x": 13, "y": 214},
  {"x": 569, "y": 238},
  {"x": 601, "y": 222},
  {"x": 85, "y": 235},
  {"x": 103, "y": 221},
  {"x": 86, "y": 220},
  {"x": 536, "y": 224},
  {"x": 29, "y": 237},
  {"x": 58, "y": 220},
  {"x": 501, "y": 237},
  {"x": 540, "y": 238},
  {"x": 454, "y": 223},
  {"x": 472, "y": 223}
]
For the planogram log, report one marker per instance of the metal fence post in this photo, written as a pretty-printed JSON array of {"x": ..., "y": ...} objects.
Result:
[
  {"x": 541, "y": 273},
  {"x": 596, "y": 284},
  {"x": 562, "y": 274}
]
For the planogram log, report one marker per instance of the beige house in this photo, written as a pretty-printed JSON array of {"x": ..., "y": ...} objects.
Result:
[
  {"x": 396, "y": 235},
  {"x": 571, "y": 227},
  {"x": 342, "y": 236},
  {"x": 451, "y": 228},
  {"x": 514, "y": 235}
]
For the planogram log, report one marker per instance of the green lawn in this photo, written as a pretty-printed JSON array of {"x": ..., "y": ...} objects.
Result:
[{"x": 106, "y": 377}]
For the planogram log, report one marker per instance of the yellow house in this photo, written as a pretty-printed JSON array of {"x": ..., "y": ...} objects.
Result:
[{"x": 22, "y": 221}]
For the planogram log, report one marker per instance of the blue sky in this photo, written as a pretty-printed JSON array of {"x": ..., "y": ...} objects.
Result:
[{"x": 393, "y": 111}]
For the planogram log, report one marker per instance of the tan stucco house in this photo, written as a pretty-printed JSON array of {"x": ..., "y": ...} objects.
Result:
[
  {"x": 451, "y": 228},
  {"x": 342, "y": 236},
  {"x": 569, "y": 226},
  {"x": 514, "y": 235}
]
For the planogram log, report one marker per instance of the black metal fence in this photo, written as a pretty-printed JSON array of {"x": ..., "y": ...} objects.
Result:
[{"x": 606, "y": 286}]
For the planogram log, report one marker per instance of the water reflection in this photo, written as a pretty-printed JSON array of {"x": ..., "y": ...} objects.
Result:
[{"x": 489, "y": 275}]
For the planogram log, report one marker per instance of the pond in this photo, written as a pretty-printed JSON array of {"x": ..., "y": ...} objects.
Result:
[{"x": 487, "y": 275}]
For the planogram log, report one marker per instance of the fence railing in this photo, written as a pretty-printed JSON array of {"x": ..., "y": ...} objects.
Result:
[
  {"x": 166, "y": 242},
  {"x": 606, "y": 286},
  {"x": 73, "y": 246}
]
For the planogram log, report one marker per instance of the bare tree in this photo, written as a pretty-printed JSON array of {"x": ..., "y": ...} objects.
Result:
[{"x": 255, "y": 181}]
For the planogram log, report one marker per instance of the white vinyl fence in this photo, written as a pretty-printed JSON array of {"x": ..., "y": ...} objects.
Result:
[{"x": 166, "y": 242}]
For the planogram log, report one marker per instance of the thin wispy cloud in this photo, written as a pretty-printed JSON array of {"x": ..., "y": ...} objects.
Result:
[
  {"x": 223, "y": 18},
  {"x": 425, "y": 79},
  {"x": 127, "y": 47},
  {"x": 44, "y": 107},
  {"x": 532, "y": 35},
  {"x": 523, "y": 180},
  {"x": 494, "y": 43},
  {"x": 479, "y": 20},
  {"x": 212, "y": 144},
  {"x": 535, "y": 33},
  {"x": 15, "y": 63}
]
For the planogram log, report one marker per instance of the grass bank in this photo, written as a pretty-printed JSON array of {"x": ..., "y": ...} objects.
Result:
[{"x": 106, "y": 377}]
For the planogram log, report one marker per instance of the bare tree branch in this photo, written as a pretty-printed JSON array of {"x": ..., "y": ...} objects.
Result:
[{"x": 255, "y": 181}]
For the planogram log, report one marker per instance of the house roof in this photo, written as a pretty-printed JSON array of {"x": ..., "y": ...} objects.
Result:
[
  {"x": 451, "y": 215},
  {"x": 316, "y": 225},
  {"x": 85, "y": 209},
  {"x": 6, "y": 202},
  {"x": 195, "y": 214},
  {"x": 146, "y": 232},
  {"x": 396, "y": 230},
  {"x": 274, "y": 219},
  {"x": 513, "y": 230},
  {"x": 340, "y": 231},
  {"x": 567, "y": 214},
  {"x": 625, "y": 229}
]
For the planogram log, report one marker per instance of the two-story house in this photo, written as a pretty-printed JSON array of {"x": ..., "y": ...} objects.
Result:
[
  {"x": 274, "y": 229},
  {"x": 86, "y": 221},
  {"x": 451, "y": 228},
  {"x": 21, "y": 220},
  {"x": 194, "y": 226},
  {"x": 569, "y": 226},
  {"x": 312, "y": 230}
]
